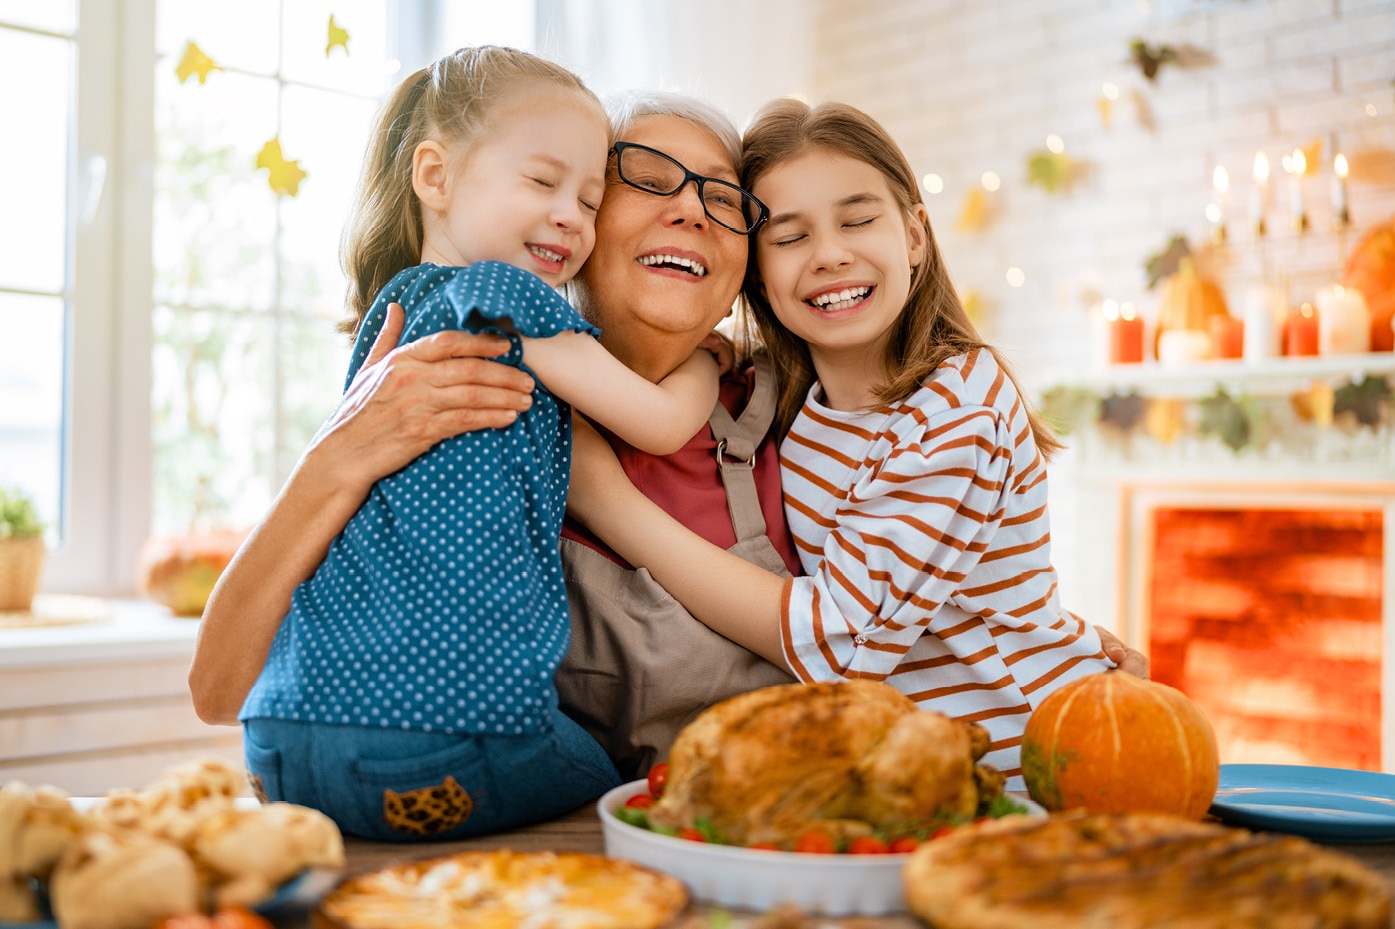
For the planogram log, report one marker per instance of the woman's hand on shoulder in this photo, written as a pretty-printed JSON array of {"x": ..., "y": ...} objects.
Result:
[{"x": 407, "y": 398}]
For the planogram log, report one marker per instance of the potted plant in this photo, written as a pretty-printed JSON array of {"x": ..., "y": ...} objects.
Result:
[{"x": 22, "y": 549}]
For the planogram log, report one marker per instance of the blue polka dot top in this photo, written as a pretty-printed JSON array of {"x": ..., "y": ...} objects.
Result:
[{"x": 440, "y": 607}]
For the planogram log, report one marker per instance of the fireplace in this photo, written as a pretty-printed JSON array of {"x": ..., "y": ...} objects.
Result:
[
  {"x": 1269, "y": 617},
  {"x": 1269, "y": 603}
]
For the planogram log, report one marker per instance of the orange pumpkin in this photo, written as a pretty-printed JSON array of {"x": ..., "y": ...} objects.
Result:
[
  {"x": 1189, "y": 301},
  {"x": 179, "y": 571},
  {"x": 1371, "y": 270},
  {"x": 1115, "y": 743}
]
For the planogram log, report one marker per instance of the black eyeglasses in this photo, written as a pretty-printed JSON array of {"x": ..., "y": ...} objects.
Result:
[{"x": 653, "y": 172}]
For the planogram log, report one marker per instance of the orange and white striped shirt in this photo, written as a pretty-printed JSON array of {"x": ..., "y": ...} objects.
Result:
[{"x": 923, "y": 531}]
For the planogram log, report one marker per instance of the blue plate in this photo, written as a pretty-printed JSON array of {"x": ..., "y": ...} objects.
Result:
[{"x": 1326, "y": 804}]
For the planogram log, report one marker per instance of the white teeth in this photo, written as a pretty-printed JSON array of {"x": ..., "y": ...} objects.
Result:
[
  {"x": 546, "y": 254},
  {"x": 840, "y": 299},
  {"x": 688, "y": 264}
]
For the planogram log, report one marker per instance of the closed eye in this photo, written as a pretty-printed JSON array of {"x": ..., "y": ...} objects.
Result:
[
  {"x": 542, "y": 182},
  {"x": 790, "y": 240},
  {"x": 589, "y": 206},
  {"x": 860, "y": 223}
]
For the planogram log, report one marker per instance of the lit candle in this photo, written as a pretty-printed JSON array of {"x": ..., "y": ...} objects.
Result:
[
  {"x": 1340, "y": 216},
  {"x": 1125, "y": 333},
  {"x": 1301, "y": 331},
  {"x": 1259, "y": 194},
  {"x": 1295, "y": 165},
  {"x": 1344, "y": 323},
  {"x": 1221, "y": 181},
  {"x": 1228, "y": 336}
]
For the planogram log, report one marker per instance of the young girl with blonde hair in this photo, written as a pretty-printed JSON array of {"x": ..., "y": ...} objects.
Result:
[
  {"x": 914, "y": 470},
  {"x": 409, "y": 691}
]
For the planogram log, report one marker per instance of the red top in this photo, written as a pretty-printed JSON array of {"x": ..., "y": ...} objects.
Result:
[{"x": 688, "y": 485}]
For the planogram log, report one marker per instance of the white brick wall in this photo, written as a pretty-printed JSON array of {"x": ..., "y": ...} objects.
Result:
[{"x": 967, "y": 87}]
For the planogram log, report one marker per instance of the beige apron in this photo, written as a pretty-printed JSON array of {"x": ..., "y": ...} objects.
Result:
[{"x": 640, "y": 666}]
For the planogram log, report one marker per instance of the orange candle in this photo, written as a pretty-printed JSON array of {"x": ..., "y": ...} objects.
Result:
[
  {"x": 1125, "y": 334},
  {"x": 1301, "y": 331},
  {"x": 1228, "y": 336}
]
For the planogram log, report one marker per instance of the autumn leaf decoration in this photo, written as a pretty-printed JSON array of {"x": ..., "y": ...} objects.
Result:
[
  {"x": 1051, "y": 171},
  {"x": 283, "y": 175},
  {"x": 1122, "y": 411},
  {"x": 1364, "y": 400},
  {"x": 194, "y": 63},
  {"x": 1227, "y": 419},
  {"x": 1166, "y": 262},
  {"x": 1150, "y": 59},
  {"x": 338, "y": 37}
]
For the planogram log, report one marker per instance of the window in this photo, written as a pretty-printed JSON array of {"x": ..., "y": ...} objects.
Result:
[{"x": 168, "y": 342}]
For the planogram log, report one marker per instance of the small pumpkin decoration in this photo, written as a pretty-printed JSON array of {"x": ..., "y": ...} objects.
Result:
[
  {"x": 1371, "y": 270},
  {"x": 1189, "y": 301},
  {"x": 179, "y": 571},
  {"x": 1115, "y": 743}
]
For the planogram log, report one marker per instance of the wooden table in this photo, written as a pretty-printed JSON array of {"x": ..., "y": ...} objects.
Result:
[{"x": 580, "y": 831}]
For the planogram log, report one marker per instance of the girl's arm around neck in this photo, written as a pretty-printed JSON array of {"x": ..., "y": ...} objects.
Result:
[
  {"x": 728, "y": 594},
  {"x": 657, "y": 418}
]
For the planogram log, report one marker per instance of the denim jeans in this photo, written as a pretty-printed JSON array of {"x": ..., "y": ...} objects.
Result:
[{"x": 398, "y": 785}]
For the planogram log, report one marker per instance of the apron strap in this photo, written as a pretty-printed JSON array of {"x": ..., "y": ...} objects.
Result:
[{"x": 737, "y": 441}]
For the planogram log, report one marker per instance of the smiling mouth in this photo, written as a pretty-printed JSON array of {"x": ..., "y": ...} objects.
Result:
[
  {"x": 674, "y": 263},
  {"x": 836, "y": 300},
  {"x": 546, "y": 254}
]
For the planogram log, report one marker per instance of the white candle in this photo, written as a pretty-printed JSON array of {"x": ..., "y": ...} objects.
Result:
[
  {"x": 1183, "y": 346},
  {"x": 1295, "y": 165},
  {"x": 1220, "y": 179},
  {"x": 1263, "y": 311},
  {"x": 1344, "y": 323},
  {"x": 1340, "y": 216},
  {"x": 1259, "y": 194}
]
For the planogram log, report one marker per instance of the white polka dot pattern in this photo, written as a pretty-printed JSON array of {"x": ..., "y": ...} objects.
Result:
[{"x": 441, "y": 606}]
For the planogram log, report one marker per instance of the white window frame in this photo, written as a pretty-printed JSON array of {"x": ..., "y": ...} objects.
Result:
[{"x": 108, "y": 279}]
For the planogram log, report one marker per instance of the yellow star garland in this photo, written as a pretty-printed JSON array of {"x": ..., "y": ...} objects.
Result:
[
  {"x": 337, "y": 37},
  {"x": 284, "y": 176},
  {"x": 194, "y": 62}
]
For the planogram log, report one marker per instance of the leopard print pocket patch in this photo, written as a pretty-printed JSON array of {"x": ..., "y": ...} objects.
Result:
[{"x": 427, "y": 810}]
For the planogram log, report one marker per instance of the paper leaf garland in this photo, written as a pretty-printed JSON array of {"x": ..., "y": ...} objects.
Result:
[
  {"x": 1149, "y": 59},
  {"x": 1069, "y": 408},
  {"x": 1164, "y": 419},
  {"x": 194, "y": 63},
  {"x": 1122, "y": 411},
  {"x": 284, "y": 176},
  {"x": 1316, "y": 404},
  {"x": 1364, "y": 400},
  {"x": 338, "y": 38},
  {"x": 1050, "y": 170},
  {"x": 1226, "y": 419}
]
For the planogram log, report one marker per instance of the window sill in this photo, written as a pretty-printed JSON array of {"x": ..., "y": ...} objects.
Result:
[{"x": 135, "y": 630}]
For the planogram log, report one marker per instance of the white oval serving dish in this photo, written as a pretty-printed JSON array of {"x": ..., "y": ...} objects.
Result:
[{"x": 756, "y": 879}]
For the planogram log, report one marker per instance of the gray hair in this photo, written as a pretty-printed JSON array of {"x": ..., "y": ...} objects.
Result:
[{"x": 627, "y": 106}]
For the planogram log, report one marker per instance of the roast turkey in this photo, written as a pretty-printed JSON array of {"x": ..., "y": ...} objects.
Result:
[{"x": 849, "y": 758}]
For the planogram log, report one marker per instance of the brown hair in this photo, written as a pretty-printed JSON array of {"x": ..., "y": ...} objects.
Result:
[
  {"x": 932, "y": 327},
  {"x": 451, "y": 101}
]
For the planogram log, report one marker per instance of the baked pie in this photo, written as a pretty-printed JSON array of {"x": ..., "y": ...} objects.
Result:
[
  {"x": 505, "y": 890},
  {"x": 1130, "y": 871}
]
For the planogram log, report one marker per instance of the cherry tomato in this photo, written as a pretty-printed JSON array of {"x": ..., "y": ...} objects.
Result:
[
  {"x": 942, "y": 831},
  {"x": 239, "y": 917},
  {"x": 907, "y": 843},
  {"x": 868, "y": 845},
  {"x": 658, "y": 778},
  {"x": 640, "y": 801},
  {"x": 691, "y": 834},
  {"x": 815, "y": 842}
]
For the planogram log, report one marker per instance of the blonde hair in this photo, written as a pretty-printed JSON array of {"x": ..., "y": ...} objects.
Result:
[
  {"x": 452, "y": 102},
  {"x": 932, "y": 327}
]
